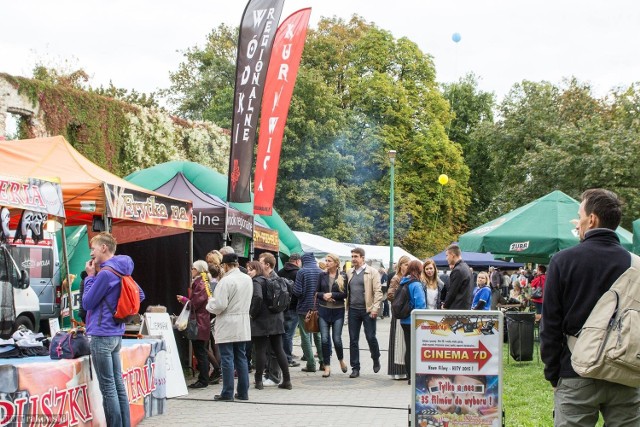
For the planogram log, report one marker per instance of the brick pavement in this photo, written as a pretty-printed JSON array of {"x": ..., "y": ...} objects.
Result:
[{"x": 371, "y": 400}]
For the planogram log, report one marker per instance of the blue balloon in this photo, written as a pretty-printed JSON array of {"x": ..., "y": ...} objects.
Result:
[{"x": 456, "y": 37}]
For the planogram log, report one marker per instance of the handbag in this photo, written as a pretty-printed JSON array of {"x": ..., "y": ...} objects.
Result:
[
  {"x": 311, "y": 320},
  {"x": 192, "y": 329},
  {"x": 69, "y": 344},
  {"x": 182, "y": 321},
  {"x": 536, "y": 292}
]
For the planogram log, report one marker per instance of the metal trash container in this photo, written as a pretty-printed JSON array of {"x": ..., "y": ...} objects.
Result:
[{"x": 520, "y": 328}]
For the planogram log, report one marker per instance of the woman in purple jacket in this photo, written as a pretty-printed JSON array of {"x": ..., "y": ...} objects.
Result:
[{"x": 200, "y": 293}]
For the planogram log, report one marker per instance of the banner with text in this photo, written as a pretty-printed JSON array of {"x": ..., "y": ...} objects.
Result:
[
  {"x": 257, "y": 30},
  {"x": 133, "y": 205},
  {"x": 265, "y": 239},
  {"x": 63, "y": 392},
  {"x": 457, "y": 367},
  {"x": 281, "y": 79}
]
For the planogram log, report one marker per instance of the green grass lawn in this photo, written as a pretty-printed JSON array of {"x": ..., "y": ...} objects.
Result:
[{"x": 528, "y": 397}]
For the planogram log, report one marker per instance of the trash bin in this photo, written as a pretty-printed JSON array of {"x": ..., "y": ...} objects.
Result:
[{"x": 520, "y": 329}]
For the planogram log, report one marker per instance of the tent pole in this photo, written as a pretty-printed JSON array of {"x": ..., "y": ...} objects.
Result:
[
  {"x": 66, "y": 269},
  {"x": 191, "y": 247}
]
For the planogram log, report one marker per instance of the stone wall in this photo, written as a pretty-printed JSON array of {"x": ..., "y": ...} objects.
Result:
[{"x": 13, "y": 102}]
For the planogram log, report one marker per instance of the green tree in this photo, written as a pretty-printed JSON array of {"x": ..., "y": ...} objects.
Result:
[
  {"x": 202, "y": 87},
  {"x": 360, "y": 92},
  {"x": 563, "y": 137},
  {"x": 470, "y": 128}
]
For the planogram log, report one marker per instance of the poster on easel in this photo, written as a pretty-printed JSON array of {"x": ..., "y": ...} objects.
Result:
[
  {"x": 456, "y": 368},
  {"x": 159, "y": 324}
]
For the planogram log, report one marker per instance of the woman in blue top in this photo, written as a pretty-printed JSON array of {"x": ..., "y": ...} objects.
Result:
[
  {"x": 482, "y": 293},
  {"x": 417, "y": 300}
]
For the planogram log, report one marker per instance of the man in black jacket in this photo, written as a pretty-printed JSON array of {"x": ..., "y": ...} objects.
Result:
[
  {"x": 290, "y": 271},
  {"x": 576, "y": 278},
  {"x": 460, "y": 292}
]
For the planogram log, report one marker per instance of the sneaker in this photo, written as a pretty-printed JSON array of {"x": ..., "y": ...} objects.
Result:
[
  {"x": 269, "y": 383},
  {"x": 294, "y": 364},
  {"x": 198, "y": 384}
]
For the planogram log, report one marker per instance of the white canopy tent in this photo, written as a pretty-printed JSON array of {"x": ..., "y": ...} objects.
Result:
[
  {"x": 321, "y": 246},
  {"x": 381, "y": 253}
]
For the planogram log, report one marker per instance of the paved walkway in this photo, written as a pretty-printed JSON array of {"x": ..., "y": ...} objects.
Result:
[{"x": 371, "y": 400}]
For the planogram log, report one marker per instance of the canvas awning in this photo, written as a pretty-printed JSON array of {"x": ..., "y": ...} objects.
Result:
[
  {"x": 533, "y": 232},
  {"x": 88, "y": 190}
]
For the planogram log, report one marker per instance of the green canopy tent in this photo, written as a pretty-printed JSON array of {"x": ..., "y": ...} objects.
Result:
[
  {"x": 636, "y": 236},
  {"x": 533, "y": 232},
  {"x": 212, "y": 182}
]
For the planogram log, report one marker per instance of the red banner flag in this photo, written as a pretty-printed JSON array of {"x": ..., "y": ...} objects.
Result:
[
  {"x": 281, "y": 79},
  {"x": 255, "y": 41}
]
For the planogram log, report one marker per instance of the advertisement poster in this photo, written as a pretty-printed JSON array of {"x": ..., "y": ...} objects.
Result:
[
  {"x": 457, "y": 368},
  {"x": 43, "y": 392}
]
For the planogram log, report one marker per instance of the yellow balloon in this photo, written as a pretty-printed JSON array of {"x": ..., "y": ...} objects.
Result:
[{"x": 443, "y": 179}]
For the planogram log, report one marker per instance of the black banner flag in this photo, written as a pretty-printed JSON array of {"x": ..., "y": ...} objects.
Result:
[{"x": 257, "y": 32}]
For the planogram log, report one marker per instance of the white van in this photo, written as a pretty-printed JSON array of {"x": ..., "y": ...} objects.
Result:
[
  {"x": 41, "y": 262},
  {"x": 15, "y": 281}
]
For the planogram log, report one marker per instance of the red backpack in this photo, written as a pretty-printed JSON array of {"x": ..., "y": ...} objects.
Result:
[{"x": 129, "y": 300}]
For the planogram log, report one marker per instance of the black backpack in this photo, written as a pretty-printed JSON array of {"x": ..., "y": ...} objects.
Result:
[
  {"x": 276, "y": 294},
  {"x": 401, "y": 305}
]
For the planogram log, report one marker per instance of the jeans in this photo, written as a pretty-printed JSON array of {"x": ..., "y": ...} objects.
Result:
[
  {"x": 358, "y": 317},
  {"x": 385, "y": 307},
  {"x": 290, "y": 324},
  {"x": 200, "y": 351},
  {"x": 336, "y": 329},
  {"x": 105, "y": 354},
  {"x": 305, "y": 342},
  {"x": 233, "y": 355}
]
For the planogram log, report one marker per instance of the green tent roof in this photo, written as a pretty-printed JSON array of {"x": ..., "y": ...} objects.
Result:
[
  {"x": 215, "y": 183},
  {"x": 533, "y": 232}
]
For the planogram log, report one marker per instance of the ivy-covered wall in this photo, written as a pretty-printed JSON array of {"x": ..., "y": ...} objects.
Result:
[{"x": 117, "y": 136}]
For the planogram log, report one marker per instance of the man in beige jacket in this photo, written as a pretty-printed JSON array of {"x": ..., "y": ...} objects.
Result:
[
  {"x": 364, "y": 296},
  {"x": 230, "y": 303}
]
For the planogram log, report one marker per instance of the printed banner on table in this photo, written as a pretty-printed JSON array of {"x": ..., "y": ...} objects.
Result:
[
  {"x": 125, "y": 203},
  {"x": 257, "y": 30},
  {"x": 63, "y": 392},
  {"x": 281, "y": 79},
  {"x": 457, "y": 361}
]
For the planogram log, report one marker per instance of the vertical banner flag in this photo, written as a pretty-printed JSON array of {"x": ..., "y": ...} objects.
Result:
[
  {"x": 281, "y": 78},
  {"x": 257, "y": 31}
]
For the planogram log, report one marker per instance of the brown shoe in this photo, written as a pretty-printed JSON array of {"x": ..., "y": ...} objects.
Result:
[
  {"x": 343, "y": 366},
  {"x": 327, "y": 372}
]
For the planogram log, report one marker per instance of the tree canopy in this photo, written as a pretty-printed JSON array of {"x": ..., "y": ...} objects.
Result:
[{"x": 360, "y": 92}]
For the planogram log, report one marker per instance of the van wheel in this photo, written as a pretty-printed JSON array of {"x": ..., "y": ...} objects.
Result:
[{"x": 23, "y": 320}]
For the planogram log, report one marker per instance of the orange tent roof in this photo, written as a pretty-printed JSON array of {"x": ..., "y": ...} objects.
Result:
[{"x": 87, "y": 189}]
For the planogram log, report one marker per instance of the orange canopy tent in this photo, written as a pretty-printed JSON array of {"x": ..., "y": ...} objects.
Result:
[{"x": 89, "y": 191}]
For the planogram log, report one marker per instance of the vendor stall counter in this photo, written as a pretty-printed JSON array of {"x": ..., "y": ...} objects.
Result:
[{"x": 38, "y": 391}]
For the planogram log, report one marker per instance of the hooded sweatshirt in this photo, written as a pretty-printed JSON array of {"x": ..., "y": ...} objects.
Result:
[
  {"x": 306, "y": 283},
  {"x": 101, "y": 294}
]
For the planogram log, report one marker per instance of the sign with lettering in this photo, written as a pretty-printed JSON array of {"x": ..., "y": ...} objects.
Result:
[
  {"x": 32, "y": 194},
  {"x": 64, "y": 393},
  {"x": 159, "y": 324},
  {"x": 133, "y": 205},
  {"x": 266, "y": 239},
  {"x": 456, "y": 360},
  {"x": 239, "y": 223}
]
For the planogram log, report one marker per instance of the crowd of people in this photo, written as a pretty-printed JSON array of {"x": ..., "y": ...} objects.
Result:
[{"x": 249, "y": 334}]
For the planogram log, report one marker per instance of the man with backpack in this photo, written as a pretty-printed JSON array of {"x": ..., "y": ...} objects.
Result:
[
  {"x": 102, "y": 290},
  {"x": 576, "y": 279},
  {"x": 273, "y": 373},
  {"x": 290, "y": 271}
]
